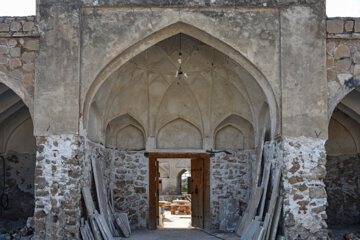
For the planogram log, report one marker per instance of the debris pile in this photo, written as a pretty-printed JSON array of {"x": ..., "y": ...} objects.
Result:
[
  {"x": 108, "y": 224},
  {"x": 24, "y": 233},
  {"x": 261, "y": 218}
]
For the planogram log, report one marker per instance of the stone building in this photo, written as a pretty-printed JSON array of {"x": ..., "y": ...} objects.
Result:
[{"x": 88, "y": 80}]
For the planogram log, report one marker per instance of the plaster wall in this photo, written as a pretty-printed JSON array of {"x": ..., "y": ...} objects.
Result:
[{"x": 170, "y": 171}]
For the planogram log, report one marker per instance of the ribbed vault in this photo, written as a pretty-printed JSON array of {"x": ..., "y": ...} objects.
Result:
[{"x": 180, "y": 113}]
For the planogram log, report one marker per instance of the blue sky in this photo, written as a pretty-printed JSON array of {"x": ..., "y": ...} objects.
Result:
[{"x": 335, "y": 8}]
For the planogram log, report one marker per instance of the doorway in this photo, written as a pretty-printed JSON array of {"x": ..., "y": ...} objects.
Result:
[{"x": 195, "y": 204}]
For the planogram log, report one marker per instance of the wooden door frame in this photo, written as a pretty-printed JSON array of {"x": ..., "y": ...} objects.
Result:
[{"x": 153, "y": 204}]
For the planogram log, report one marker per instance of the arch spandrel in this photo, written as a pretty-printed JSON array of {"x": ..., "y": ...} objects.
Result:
[{"x": 167, "y": 32}]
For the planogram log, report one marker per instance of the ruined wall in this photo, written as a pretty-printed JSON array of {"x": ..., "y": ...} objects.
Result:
[
  {"x": 343, "y": 58},
  {"x": 19, "y": 172},
  {"x": 58, "y": 171},
  {"x": 230, "y": 177},
  {"x": 19, "y": 46},
  {"x": 125, "y": 173},
  {"x": 303, "y": 188},
  {"x": 130, "y": 179},
  {"x": 343, "y": 188}
]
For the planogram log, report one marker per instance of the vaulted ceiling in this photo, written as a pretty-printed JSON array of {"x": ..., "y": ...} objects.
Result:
[{"x": 144, "y": 94}]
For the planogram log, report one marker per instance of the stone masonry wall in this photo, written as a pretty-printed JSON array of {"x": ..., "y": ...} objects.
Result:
[
  {"x": 129, "y": 179},
  {"x": 126, "y": 175},
  {"x": 343, "y": 188},
  {"x": 230, "y": 180},
  {"x": 19, "y": 46},
  {"x": 343, "y": 58},
  {"x": 303, "y": 189},
  {"x": 19, "y": 172},
  {"x": 58, "y": 172}
]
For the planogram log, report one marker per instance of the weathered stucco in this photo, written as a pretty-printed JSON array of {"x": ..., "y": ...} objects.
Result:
[{"x": 96, "y": 79}]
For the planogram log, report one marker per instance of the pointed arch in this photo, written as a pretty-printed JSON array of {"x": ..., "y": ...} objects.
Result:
[
  {"x": 125, "y": 132},
  {"x": 233, "y": 133},
  {"x": 179, "y": 134},
  {"x": 194, "y": 32}
]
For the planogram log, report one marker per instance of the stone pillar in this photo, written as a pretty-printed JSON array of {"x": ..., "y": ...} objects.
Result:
[
  {"x": 304, "y": 192},
  {"x": 58, "y": 173}
]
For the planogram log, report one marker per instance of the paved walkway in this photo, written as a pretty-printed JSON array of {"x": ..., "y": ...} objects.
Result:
[{"x": 179, "y": 234}]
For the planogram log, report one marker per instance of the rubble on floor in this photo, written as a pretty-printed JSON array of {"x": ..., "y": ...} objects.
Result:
[{"x": 24, "y": 233}]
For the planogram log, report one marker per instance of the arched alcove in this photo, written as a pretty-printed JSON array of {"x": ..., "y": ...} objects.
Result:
[
  {"x": 17, "y": 152},
  {"x": 141, "y": 81},
  {"x": 125, "y": 133},
  {"x": 179, "y": 134},
  {"x": 343, "y": 163},
  {"x": 234, "y": 133}
]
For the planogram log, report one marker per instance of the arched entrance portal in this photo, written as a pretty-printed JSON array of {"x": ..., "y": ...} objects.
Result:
[
  {"x": 17, "y": 161},
  {"x": 158, "y": 103},
  {"x": 343, "y": 166}
]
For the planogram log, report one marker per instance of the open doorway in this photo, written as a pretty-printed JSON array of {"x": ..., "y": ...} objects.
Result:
[
  {"x": 179, "y": 190},
  {"x": 174, "y": 193}
]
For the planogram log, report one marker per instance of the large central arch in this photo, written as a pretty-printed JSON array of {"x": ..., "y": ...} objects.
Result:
[{"x": 200, "y": 35}]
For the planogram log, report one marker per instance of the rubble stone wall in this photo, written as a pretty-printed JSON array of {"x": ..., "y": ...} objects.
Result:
[
  {"x": 343, "y": 188},
  {"x": 343, "y": 58},
  {"x": 129, "y": 180},
  {"x": 19, "y": 47},
  {"x": 126, "y": 174},
  {"x": 230, "y": 183},
  {"x": 19, "y": 185},
  {"x": 305, "y": 198},
  {"x": 58, "y": 173}
]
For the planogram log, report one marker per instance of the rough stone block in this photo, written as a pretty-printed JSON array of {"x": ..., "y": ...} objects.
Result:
[
  {"x": 3, "y": 50},
  {"x": 3, "y": 59},
  {"x": 343, "y": 65},
  {"x": 342, "y": 51},
  {"x": 3, "y": 69},
  {"x": 28, "y": 57},
  {"x": 357, "y": 26},
  {"x": 32, "y": 44},
  {"x": 335, "y": 26},
  {"x": 29, "y": 67},
  {"x": 14, "y": 63},
  {"x": 28, "y": 26},
  {"x": 15, "y": 26},
  {"x": 349, "y": 26},
  {"x": 4, "y": 27},
  {"x": 15, "y": 52},
  {"x": 12, "y": 42},
  {"x": 357, "y": 69}
]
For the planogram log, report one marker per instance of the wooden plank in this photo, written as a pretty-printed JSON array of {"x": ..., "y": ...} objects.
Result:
[
  {"x": 254, "y": 203},
  {"x": 265, "y": 184},
  {"x": 207, "y": 215},
  {"x": 89, "y": 203},
  {"x": 104, "y": 228},
  {"x": 152, "y": 192},
  {"x": 275, "y": 225},
  {"x": 123, "y": 224},
  {"x": 88, "y": 230},
  {"x": 266, "y": 225},
  {"x": 197, "y": 192},
  {"x": 251, "y": 230},
  {"x": 273, "y": 200},
  {"x": 259, "y": 152},
  {"x": 101, "y": 191}
]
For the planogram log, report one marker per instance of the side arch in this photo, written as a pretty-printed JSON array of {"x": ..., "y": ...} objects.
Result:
[
  {"x": 17, "y": 88},
  {"x": 194, "y": 32}
]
